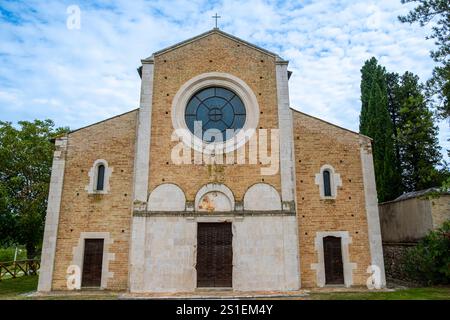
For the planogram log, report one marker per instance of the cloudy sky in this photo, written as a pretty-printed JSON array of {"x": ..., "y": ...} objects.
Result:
[{"x": 80, "y": 76}]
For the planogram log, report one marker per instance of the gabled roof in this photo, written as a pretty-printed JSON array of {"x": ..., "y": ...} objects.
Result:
[
  {"x": 101, "y": 121},
  {"x": 332, "y": 124},
  {"x": 210, "y": 32}
]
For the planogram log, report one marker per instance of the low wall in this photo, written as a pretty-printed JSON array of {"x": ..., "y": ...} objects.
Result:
[
  {"x": 393, "y": 259},
  {"x": 405, "y": 221}
]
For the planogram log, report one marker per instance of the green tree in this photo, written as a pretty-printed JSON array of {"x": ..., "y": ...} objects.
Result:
[
  {"x": 429, "y": 261},
  {"x": 393, "y": 93},
  {"x": 25, "y": 167},
  {"x": 6, "y": 218},
  {"x": 416, "y": 136},
  {"x": 437, "y": 12},
  {"x": 376, "y": 123}
]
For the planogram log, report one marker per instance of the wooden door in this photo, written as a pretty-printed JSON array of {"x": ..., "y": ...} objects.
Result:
[
  {"x": 92, "y": 263},
  {"x": 334, "y": 269},
  {"x": 214, "y": 255}
]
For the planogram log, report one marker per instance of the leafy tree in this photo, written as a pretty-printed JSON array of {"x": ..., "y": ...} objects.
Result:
[
  {"x": 416, "y": 136},
  {"x": 429, "y": 261},
  {"x": 395, "y": 114},
  {"x": 375, "y": 122},
  {"x": 25, "y": 167},
  {"x": 6, "y": 219},
  {"x": 437, "y": 11},
  {"x": 393, "y": 93}
]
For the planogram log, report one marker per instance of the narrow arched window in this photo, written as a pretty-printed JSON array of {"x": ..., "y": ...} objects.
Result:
[
  {"x": 100, "y": 177},
  {"x": 326, "y": 183}
]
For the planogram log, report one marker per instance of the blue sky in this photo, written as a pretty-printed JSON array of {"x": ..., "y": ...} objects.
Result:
[{"x": 77, "y": 77}]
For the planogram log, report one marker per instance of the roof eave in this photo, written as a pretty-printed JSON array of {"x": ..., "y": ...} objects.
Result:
[
  {"x": 215, "y": 31},
  {"x": 332, "y": 124}
]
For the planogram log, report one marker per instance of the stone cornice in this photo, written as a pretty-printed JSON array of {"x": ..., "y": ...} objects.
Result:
[{"x": 137, "y": 213}]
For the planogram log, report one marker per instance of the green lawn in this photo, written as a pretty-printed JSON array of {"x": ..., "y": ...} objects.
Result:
[
  {"x": 428, "y": 293},
  {"x": 13, "y": 288}
]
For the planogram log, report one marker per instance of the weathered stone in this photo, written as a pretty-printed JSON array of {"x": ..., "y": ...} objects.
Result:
[{"x": 151, "y": 207}]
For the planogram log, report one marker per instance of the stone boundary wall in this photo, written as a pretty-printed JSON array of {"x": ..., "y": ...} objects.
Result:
[{"x": 393, "y": 259}]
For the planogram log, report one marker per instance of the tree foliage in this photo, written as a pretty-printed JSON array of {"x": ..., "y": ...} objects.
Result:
[
  {"x": 438, "y": 13},
  {"x": 25, "y": 167},
  {"x": 416, "y": 137},
  {"x": 375, "y": 122},
  {"x": 396, "y": 116},
  {"x": 429, "y": 261}
]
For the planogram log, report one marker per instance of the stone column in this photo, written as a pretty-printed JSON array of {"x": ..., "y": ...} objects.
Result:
[
  {"x": 142, "y": 159},
  {"x": 52, "y": 216},
  {"x": 285, "y": 125},
  {"x": 287, "y": 163},
  {"x": 141, "y": 175},
  {"x": 371, "y": 199}
]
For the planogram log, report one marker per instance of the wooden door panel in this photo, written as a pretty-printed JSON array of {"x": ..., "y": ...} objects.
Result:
[
  {"x": 214, "y": 255},
  {"x": 92, "y": 263},
  {"x": 334, "y": 269}
]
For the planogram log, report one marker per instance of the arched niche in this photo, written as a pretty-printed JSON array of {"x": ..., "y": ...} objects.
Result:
[
  {"x": 167, "y": 197},
  {"x": 214, "y": 197},
  {"x": 262, "y": 197}
]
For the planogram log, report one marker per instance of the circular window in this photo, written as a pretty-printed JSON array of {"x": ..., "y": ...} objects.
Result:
[
  {"x": 215, "y": 114},
  {"x": 219, "y": 101}
]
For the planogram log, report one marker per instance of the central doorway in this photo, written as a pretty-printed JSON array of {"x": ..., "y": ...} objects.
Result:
[{"x": 214, "y": 255}]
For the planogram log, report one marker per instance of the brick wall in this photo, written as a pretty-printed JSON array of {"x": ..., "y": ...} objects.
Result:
[
  {"x": 112, "y": 140},
  {"x": 318, "y": 143},
  {"x": 213, "y": 53}
]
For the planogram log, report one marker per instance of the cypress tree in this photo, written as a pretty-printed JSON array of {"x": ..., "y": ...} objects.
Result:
[
  {"x": 394, "y": 102},
  {"x": 376, "y": 123},
  {"x": 416, "y": 136}
]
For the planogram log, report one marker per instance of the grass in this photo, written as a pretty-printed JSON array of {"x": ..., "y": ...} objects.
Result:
[
  {"x": 14, "y": 288},
  {"x": 426, "y": 293},
  {"x": 7, "y": 254}
]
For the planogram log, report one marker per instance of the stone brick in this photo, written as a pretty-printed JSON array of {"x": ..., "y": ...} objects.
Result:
[
  {"x": 112, "y": 140},
  {"x": 172, "y": 69},
  {"x": 318, "y": 143},
  {"x": 266, "y": 246}
]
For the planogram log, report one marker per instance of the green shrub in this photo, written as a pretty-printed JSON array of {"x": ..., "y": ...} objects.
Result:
[
  {"x": 7, "y": 254},
  {"x": 429, "y": 261}
]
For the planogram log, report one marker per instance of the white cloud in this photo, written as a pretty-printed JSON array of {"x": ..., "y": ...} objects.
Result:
[{"x": 77, "y": 77}]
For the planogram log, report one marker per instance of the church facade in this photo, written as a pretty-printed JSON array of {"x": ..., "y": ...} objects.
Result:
[{"x": 213, "y": 182}]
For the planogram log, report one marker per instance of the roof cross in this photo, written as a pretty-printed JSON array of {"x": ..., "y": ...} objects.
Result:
[{"x": 216, "y": 17}]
